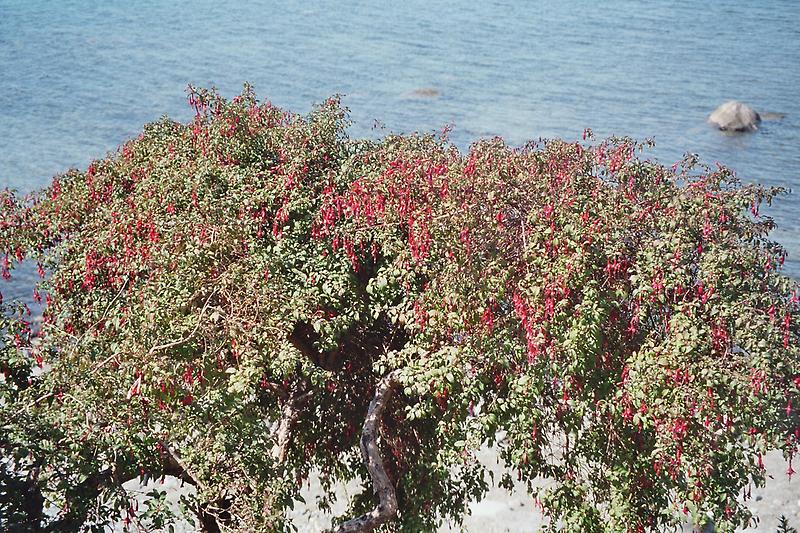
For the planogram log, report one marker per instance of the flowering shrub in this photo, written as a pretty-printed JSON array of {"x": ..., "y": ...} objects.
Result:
[{"x": 246, "y": 298}]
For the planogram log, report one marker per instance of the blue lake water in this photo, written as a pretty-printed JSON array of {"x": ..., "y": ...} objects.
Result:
[{"x": 78, "y": 77}]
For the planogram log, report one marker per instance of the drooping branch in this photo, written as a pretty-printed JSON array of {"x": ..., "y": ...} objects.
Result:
[
  {"x": 358, "y": 346},
  {"x": 175, "y": 466},
  {"x": 77, "y": 511},
  {"x": 289, "y": 415},
  {"x": 191, "y": 334},
  {"x": 381, "y": 484}
]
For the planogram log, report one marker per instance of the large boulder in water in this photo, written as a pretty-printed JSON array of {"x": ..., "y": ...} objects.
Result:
[{"x": 735, "y": 116}]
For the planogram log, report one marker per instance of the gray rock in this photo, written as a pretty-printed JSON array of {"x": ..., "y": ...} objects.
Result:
[{"x": 735, "y": 116}]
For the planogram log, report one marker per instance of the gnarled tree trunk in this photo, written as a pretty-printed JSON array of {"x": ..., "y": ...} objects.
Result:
[{"x": 382, "y": 485}]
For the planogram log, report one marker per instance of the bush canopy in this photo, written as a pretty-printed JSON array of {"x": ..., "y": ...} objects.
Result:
[{"x": 253, "y": 297}]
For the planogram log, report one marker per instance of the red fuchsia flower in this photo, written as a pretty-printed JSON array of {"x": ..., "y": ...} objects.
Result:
[
  {"x": 488, "y": 318},
  {"x": 188, "y": 375},
  {"x": 421, "y": 314},
  {"x": 681, "y": 376},
  {"x": 136, "y": 388},
  {"x": 519, "y": 306},
  {"x": 5, "y": 270},
  {"x": 758, "y": 381},
  {"x": 627, "y": 413},
  {"x": 531, "y": 332},
  {"x": 657, "y": 467},
  {"x": 442, "y": 398},
  {"x": 704, "y": 293},
  {"x": 465, "y": 238},
  {"x": 719, "y": 337},
  {"x": 633, "y": 326},
  {"x": 469, "y": 169},
  {"x": 549, "y": 306},
  {"x": 706, "y": 229},
  {"x": 658, "y": 284},
  {"x": 152, "y": 234}
]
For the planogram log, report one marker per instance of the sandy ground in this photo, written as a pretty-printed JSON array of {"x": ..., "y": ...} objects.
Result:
[{"x": 503, "y": 512}]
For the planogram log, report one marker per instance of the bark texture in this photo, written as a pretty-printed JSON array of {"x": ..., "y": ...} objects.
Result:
[
  {"x": 289, "y": 416},
  {"x": 382, "y": 485}
]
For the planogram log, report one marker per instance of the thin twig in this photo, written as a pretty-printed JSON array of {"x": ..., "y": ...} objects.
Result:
[
  {"x": 187, "y": 337},
  {"x": 97, "y": 322},
  {"x": 39, "y": 400}
]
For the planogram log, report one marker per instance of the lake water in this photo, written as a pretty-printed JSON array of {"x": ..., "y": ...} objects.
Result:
[{"x": 78, "y": 77}]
